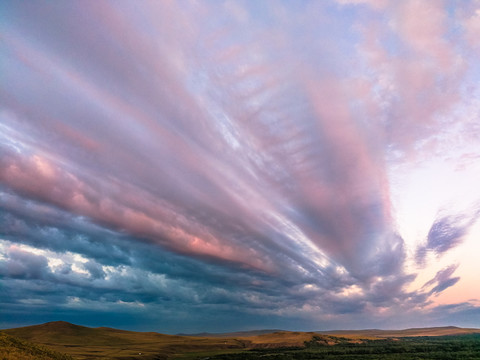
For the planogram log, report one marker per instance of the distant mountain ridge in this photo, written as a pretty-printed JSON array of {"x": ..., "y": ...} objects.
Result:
[
  {"x": 430, "y": 331},
  {"x": 234, "y": 334}
]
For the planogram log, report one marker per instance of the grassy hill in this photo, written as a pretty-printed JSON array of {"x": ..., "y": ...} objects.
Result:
[
  {"x": 82, "y": 342},
  {"x": 91, "y": 343},
  {"x": 12, "y": 348}
]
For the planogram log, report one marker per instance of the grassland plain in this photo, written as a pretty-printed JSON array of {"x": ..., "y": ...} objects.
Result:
[
  {"x": 79, "y": 342},
  {"x": 458, "y": 347}
]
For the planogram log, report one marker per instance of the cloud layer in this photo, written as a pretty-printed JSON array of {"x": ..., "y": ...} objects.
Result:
[{"x": 234, "y": 160}]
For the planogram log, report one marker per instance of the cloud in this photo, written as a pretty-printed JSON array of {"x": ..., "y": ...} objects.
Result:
[
  {"x": 447, "y": 232},
  {"x": 442, "y": 280},
  {"x": 169, "y": 156},
  {"x": 376, "y": 4},
  {"x": 445, "y": 285},
  {"x": 470, "y": 16},
  {"x": 23, "y": 265}
]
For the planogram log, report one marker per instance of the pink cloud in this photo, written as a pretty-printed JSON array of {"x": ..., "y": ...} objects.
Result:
[
  {"x": 471, "y": 23},
  {"x": 264, "y": 147},
  {"x": 423, "y": 27},
  {"x": 115, "y": 208},
  {"x": 417, "y": 81},
  {"x": 376, "y": 4}
]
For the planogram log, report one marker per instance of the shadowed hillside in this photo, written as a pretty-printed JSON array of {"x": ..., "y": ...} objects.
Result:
[{"x": 12, "y": 348}]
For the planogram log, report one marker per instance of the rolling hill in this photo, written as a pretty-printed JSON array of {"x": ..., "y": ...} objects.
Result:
[
  {"x": 82, "y": 342},
  {"x": 89, "y": 343}
]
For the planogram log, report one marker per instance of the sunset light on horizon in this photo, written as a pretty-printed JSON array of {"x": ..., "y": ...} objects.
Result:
[{"x": 222, "y": 165}]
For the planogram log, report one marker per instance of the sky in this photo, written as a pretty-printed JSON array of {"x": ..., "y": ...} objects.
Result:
[{"x": 220, "y": 165}]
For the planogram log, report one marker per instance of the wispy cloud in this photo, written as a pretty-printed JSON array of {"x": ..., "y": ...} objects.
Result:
[{"x": 447, "y": 232}]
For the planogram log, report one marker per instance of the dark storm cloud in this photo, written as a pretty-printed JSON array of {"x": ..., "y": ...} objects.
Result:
[{"x": 23, "y": 265}]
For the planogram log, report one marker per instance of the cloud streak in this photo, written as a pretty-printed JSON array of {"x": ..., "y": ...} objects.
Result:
[{"x": 228, "y": 156}]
